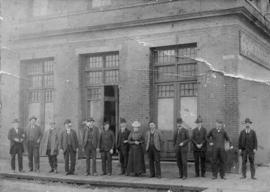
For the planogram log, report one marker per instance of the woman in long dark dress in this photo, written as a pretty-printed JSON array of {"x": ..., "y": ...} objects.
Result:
[{"x": 136, "y": 163}]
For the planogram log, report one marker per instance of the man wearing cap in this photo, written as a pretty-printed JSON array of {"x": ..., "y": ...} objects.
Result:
[
  {"x": 69, "y": 146},
  {"x": 16, "y": 137},
  {"x": 199, "y": 140},
  {"x": 154, "y": 140},
  {"x": 33, "y": 138},
  {"x": 247, "y": 146},
  {"x": 107, "y": 143},
  {"x": 52, "y": 143},
  {"x": 180, "y": 141},
  {"x": 122, "y": 145},
  {"x": 217, "y": 137},
  {"x": 90, "y": 145}
]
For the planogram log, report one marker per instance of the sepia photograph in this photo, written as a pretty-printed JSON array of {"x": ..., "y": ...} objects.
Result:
[{"x": 135, "y": 96}]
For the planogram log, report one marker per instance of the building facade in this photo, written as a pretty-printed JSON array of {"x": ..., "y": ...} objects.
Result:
[{"x": 141, "y": 60}]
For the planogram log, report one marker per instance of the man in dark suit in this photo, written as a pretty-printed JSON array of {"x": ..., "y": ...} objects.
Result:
[
  {"x": 247, "y": 146},
  {"x": 52, "y": 144},
  {"x": 217, "y": 137},
  {"x": 122, "y": 145},
  {"x": 16, "y": 137},
  {"x": 69, "y": 146},
  {"x": 199, "y": 140},
  {"x": 33, "y": 138},
  {"x": 90, "y": 145},
  {"x": 180, "y": 141},
  {"x": 107, "y": 143}
]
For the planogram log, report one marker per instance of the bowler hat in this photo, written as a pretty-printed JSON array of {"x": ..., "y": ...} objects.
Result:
[
  {"x": 32, "y": 117},
  {"x": 15, "y": 121},
  {"x": 90, "y": 119},
  {"x": 67, "y": 121},
  {"x": 199, "y": 119},
  {"x": 179, "y": 120},
  {"x": 219, "y": 121},
  {"x": 247, "y": 120},
  {"x": 123, "y": 120},
  {"x": 106, "y": 123}
]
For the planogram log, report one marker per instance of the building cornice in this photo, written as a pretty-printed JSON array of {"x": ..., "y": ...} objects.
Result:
[{"x": 249, "y": 13}]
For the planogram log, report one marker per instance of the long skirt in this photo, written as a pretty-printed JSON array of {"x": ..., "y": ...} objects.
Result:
[{"x": 136, "y": 162}]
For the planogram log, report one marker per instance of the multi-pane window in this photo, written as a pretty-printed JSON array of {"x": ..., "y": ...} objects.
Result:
[
  {"x": 102, "y": 69},
  {"x": 94, "y": 93},
  {"x": 41, "y": 83},
  {"x": 165, "y": 90},
  {"x": 175, "y": 64},
  {"x": 188, "y": 89}
]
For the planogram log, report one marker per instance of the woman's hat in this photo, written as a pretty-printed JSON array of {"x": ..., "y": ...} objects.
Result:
[{"x": 136, "y": 124}]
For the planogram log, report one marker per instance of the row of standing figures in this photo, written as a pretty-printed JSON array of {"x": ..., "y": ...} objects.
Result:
[{"x": 130, "y": 145}]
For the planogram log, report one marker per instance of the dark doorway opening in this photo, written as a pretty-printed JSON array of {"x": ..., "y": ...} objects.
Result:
[{"x": 111, "y": 106}]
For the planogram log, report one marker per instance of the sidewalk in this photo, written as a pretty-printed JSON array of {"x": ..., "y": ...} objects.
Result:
[{"x": 169, "y": 174}]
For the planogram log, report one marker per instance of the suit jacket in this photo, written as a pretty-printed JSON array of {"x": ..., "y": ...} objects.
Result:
[
  {"x": 54, "y": 141},
  {"x": 243, "y": 145},
  {"x": 37, "y": 133},
  {"x": 122, "y": 136},
  {"x": 107, "y": 141},
  {"x": 218, "y": 138},
  {"x": 12, "y": 135},
  {"x": 158, "y": 139},
  {"x": 64, "y": 142},
  {"x": 199, "y": 137},
  {"x": 96, "y": 136},
  {"x": 181, "y": 136}
]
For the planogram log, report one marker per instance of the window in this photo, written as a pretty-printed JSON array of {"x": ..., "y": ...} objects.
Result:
[
  {"x": 188, "y": 90},
  {"x": 102, "y": 69},
  {"x": 177, "y": 63}
]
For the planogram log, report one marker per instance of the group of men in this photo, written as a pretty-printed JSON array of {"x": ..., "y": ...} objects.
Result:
[{"x": 91, "y": 140}]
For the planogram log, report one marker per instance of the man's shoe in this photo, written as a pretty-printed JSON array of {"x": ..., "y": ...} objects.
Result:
[
  {"x": 67, "y": 173},
  {"x": 71, "y": 173},
  {"x": 243, "y": 177},
  {"x": 203, "y": 175},
  {"x": 87, "y": 174},
  {"x": 109, "y": 174},
  {"x": 21, "y": 171},
  {"x": 103, "y": 174},
  {"x": 51, "y": 171},
  {"x": 254, "y": 178},
  {"x": 95, "y": 174},
  {"x": 197, "y": 175},
  {"x": 151, "y": 176},
  {"x": 224, "y": 178},
  {"x": 30, "y": 170},
  {"x": 214, "y": 177},
  {"x": 184, "y": 178}
]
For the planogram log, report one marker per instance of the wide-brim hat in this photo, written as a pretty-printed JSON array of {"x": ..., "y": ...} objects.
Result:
[
  {"x": 123, "y": 120},
  {"x": 67, "y": 121},
  {"x": 90, "y": 119},
  {"x": 136, "y": 124},
  {"x": 32, "y": 117},
  {"x": 16, "y": 121},
  {"x": 179, "y": 120},
  {"x": 219, "y": 121},
  {"x": 247, "y": 120},
  {"x": 199, "y": 120}
]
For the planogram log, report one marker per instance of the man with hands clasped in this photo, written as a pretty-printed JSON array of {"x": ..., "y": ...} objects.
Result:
[{"x": 247, "y": 146}]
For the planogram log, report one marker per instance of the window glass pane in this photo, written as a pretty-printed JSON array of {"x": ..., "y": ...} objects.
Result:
[
  {"x": 93, "y": 93},
  {"x": 112, "y": 61},
  {"x": 186, "y": 54},
  {"x": 94, "y": 77},
  {"x": 35, "y": 96},
  {"x": 94, "y": 62},
  {"x": 49, "y": 96},
  {"x": 165, "y": 73},
  {"x": 165, "y": 113},
  {"x": 165, "y": 57},
  {"x": 48, "y": 81},
  {"x": 48, "y": 66},
  {"x": 188, "y": 89},
  {"x": 187, "y": 70},
  {"x": 111, "y": 76},
  {"x": 165, "y": 90}
]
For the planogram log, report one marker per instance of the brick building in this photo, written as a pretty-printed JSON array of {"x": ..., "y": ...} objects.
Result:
[{"x": 140, "y": 60}]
